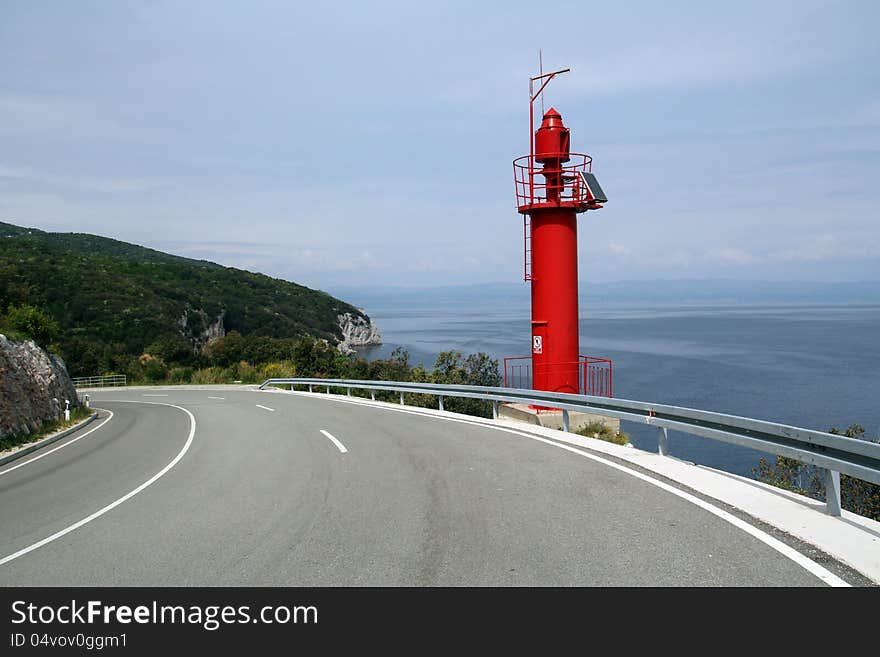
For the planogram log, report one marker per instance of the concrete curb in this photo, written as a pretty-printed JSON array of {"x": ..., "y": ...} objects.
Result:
[{"x": 46, "y": 441}]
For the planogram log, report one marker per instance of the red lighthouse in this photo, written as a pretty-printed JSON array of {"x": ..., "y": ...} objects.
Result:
[{"x": 554, "y": 186}]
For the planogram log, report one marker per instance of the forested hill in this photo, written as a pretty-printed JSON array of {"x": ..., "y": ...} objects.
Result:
[{"x": 113, "y": 299}]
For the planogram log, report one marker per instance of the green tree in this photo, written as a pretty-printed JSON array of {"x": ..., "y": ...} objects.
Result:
[
  {"x": 316, "y": 358},
  {"x": 85, "y": 357},
  {"x": 481, "y": 370},
  {"x": 475, "y": 370},
  {"x": 228, "y": 350},
  {"x": 395, "y": 368},
  {"x": 153, "y": 369},
  {"x": 33, "y": 323},
  {"x": 172, "y": 348},
  {"x": 856, "y": 495}
]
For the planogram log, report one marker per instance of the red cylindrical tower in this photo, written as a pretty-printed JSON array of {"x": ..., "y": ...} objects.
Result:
[
  {"x": 554, "y": 300},
  {"x": 550, "y": 197}
]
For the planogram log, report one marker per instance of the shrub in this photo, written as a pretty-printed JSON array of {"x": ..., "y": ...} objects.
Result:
[
  {"x": 600, "y": 430},
  {"x": 209, "y": 375},
  {"x": 277, "y": 370},
  {"x": 860, "y": 497},
  {"x": 171, "y": 348},
  {"x": 149, "y": 368},
  {"x": 475, "y": 370},
  {"x": 180, "y": 374},
  {"x": 32, "y": 323}
]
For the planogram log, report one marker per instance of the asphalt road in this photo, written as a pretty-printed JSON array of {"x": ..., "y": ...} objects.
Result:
[{"x": 263, "y": 497}]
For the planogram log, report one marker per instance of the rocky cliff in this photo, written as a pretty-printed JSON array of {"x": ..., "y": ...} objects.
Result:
[
  {"x": 357, "y": 331},
  {"x": 198, "y": 327},
  {"x": 33, "y": 387}
]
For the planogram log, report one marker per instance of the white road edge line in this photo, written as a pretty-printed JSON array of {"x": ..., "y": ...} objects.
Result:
[
  {"x": 127, "y": 496},
  {"x": 265, "y": 408},
  {"x": 342, "y": 448},
  {"x": 805, "y": 562},
  {"x": 55, "y": 449}
]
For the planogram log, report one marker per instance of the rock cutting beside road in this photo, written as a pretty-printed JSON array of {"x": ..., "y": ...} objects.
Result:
[{"x": 34, "y": 385}]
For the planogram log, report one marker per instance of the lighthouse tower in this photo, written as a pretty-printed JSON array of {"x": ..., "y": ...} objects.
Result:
[{"x": 554, "y": 186}]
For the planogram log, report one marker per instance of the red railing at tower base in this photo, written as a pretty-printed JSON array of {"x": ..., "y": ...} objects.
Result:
[{"x": 595, "y": 375}]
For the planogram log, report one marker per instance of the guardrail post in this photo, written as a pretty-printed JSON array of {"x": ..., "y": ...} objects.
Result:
[
  {"x": 328, "y": 390},
  {"x": 401, "y": 399},
  {"x": 494, "y": 409},
  {"x": 832, "y": 492},
  {"x": 348, "y": 391},
  {"x": 662, "y": 441},
  {"x": 566, "y": 423},
  {"x": 310, "y": 388},
  {"x": 373, "y": 395},
  {"x": 440, "y": 398}
]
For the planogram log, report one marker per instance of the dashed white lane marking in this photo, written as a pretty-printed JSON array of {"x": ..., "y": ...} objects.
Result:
[
  {"x": 342, "y": 448},
  {"x": 803, "y": 561},
  {"x": 55, "y": 449},
  {"x": 149, "y": 395},
  {"x": 127, "y": 496},
  {"x": 265, "y": 408},
  {"x": 210, "y": 397}
]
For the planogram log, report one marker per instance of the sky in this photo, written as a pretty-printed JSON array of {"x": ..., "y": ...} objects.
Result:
[{"x": 371, "y": 143}]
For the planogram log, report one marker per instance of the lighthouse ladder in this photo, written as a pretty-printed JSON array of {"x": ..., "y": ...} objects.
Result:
[{"x": 527, "y": 248}]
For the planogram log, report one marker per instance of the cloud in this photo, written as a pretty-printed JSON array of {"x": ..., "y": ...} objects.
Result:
[
  {"x": 866, "y": 114},
  {"x": 828, "y": 247},
  {"x": 76, "y": 182},
  {"x": 61, "y": 117},
  {"x": 672, "y": 47},
  {"x": 620, "y": 250},
  {"x": 730, "y": 255},
  {"x": 296, "y": 142}
]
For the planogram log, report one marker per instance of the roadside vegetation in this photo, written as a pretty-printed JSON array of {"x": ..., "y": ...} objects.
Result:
[
  {"x": 77, "y": 414},
  {"x": 860, "y": 497},
  {"x": 311, "y": 358},
  {"x": 600, "y": 431}
]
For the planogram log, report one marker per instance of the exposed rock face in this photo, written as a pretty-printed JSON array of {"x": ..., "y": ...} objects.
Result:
[
  {"x": 33, "y": 387},
  {"x": 215, "y": 330},
  {"x": 196, "y": 325},
  {"x": 357, "y": 331}
]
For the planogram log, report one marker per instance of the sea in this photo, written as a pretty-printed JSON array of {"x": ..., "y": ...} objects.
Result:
[{"x": 813, "y": 365}]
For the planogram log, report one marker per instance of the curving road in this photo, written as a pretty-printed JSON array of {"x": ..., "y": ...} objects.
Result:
[{"x": 254, "y": 488}]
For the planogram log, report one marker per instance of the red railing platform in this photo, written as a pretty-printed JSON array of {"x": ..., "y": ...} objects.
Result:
[{"x": 595, "y": 375}]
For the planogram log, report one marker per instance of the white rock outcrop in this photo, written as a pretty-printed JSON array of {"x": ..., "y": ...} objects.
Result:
[
  {"x": 33, "y": 387},
  {"x": 197, "y": 326},
  {"x": 357, "y": 331}
]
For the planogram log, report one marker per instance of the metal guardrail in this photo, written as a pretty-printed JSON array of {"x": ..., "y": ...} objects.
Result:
[
  {"x": 99, "y": 381},
  {"x": 833, "y": 453}
]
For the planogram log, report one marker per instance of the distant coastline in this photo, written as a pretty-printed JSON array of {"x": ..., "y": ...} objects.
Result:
[{"x": 678, "y": 291}]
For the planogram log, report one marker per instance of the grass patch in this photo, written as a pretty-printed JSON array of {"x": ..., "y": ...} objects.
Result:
[
  {"x": 76, "y": 415},
  {"x": 600, "y": 431}
]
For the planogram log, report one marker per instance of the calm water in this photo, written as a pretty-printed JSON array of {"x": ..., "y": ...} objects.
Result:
[{"x": 812, "y": 366}]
